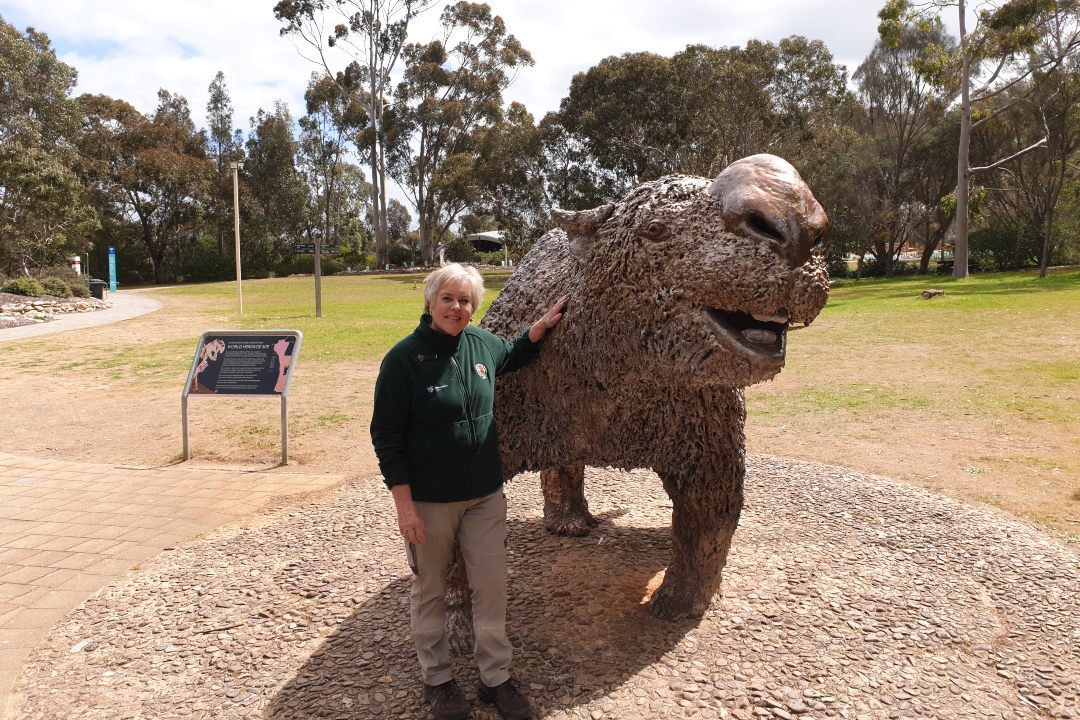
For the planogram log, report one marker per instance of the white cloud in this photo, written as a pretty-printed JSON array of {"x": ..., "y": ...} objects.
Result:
[{"x": 130, "y": 49}]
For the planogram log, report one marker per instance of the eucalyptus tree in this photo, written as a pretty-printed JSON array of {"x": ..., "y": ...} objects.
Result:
[
  {"x": 617, "y": 122},
  {"x": 45, "y": 213},
  {"x": 509, "y": 178},
  {"x": 902, "y": 108},
  {"x": 451, "y": 92},
  {"x": 350, "y": 212},
  {"x": 1025, "y": 194},
  {"x": 934, "y": 185},
  {"x": 335, "y": 116},
  {"x": 398, "y": 220},
  {"x": 277, "y": 210},
  {"x": 152, "y": 169},
  {"x": 989, "y": 60},
  {"x": 641, "y": 115},
  {"x": 369, "y": 35},
  {"x": 222, "y": 148}
]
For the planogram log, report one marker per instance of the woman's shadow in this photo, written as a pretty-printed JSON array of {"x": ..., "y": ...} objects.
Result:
[{"x": 576, "y": 619}]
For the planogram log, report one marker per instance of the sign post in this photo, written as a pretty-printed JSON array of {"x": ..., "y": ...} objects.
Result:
[
  {"x": 236, "y": 229},
  {"x": 244, "y": 363}
]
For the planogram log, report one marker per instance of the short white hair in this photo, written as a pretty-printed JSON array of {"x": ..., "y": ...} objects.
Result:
[{"x": 454, "y": 271}]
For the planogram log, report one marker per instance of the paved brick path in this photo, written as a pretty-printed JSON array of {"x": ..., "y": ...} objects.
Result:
[{"x": 68, "y": 529}]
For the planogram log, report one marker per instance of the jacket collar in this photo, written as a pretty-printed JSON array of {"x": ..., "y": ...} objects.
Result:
[{"x": 443, "y": 344}]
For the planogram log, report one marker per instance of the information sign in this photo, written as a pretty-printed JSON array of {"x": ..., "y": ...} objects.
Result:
[
  {"x": 112, "y": 268},
  {"x": 244, "y": 362},
  {"x": 233, "y": 364}
]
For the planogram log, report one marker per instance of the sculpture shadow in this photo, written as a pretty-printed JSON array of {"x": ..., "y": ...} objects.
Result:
[{"x": 576, "y": 619}]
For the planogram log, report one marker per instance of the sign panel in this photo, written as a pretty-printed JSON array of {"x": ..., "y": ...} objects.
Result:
[
  {"x": 309, "y": 249},
  {"x": 112, "y": 268},
  {"x": 244, "y": 362}
]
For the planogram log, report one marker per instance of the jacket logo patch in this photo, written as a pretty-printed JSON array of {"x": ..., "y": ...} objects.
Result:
[
  {"x": 481, "y": 370},
  {"x": 436, "y": 388}
]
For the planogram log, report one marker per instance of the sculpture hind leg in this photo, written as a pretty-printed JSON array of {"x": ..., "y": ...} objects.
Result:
[
  {"x": 459, "y": 626},
  {"x": 703, "y": 520},
  {"x": 566, "y": 511}
]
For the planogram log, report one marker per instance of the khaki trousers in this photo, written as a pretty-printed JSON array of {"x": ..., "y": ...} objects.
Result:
[{"x": 480, "y": 527}]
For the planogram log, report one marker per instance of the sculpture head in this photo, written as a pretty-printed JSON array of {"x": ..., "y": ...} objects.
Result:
[{"x": 705, "y": 277}]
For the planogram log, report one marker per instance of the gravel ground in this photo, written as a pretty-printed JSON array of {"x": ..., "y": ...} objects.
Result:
[
  {"x": 10, "y": 321},
  {"x": 845, "y": 596}
]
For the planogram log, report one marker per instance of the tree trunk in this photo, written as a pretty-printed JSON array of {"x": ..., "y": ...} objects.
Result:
[
  {"x": 1048, "y": 243},
  {"x": 932, "y": 245},
  {"x": 156, "y": 251},
  {"x": 157, "y": 258},
  {"x": 960, "y": 255},
  {"x": 380, "y": 240},
  {"x": 383, "y": 224}
]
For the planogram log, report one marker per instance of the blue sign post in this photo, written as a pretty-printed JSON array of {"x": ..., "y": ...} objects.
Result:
[{"x": 112, "y": 268}]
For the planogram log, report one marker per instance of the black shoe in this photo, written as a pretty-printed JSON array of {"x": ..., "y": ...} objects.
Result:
[
  {"x": 507, "y": 699},
  {"x": 447, "y": 701}
]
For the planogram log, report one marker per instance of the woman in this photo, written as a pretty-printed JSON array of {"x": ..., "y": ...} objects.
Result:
[{"x": 434, "y": 433}]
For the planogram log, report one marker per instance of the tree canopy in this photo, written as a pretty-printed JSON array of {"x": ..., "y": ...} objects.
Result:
[{"x": 931, "y": 133}]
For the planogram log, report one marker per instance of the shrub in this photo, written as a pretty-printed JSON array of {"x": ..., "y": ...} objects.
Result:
[
  {"x": 305, "y": 265},
  {"x": 23, "y": 286},
  {"x": 77, "y": 284},
  {"x": 399, "y": 254},
  {"x": 839, "y": 269},
  {"x": 878, "y": 268},
  {"x": 205, "y": 265},
  {"x": 1005, "y": 248},
  {"x": 459, "y": 250},
  {"x": 56, "y": 287}
]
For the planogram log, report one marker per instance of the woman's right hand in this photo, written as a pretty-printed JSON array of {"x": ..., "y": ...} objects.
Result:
[{"x": 409, "y": 521}]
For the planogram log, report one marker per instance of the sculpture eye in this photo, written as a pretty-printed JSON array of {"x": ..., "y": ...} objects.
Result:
[{"x": 655, "y": 230}]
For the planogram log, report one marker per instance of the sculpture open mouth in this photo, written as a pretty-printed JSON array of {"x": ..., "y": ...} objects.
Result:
[{"x": 760, "y": 337}]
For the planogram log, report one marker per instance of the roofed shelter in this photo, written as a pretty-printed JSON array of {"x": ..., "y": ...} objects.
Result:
[{"x": 487, "y": 241}]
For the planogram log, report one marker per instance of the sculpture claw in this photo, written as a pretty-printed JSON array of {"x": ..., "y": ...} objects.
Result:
[
  {"x": 671, "y": 603},
  {"x": 570, "y": 523}
]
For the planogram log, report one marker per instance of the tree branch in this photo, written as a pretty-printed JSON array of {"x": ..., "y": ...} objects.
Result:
[{"x": 1015, "y": 155}]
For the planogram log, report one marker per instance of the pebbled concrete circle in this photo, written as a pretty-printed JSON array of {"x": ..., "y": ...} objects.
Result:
[{"x": 845, "y": 595}]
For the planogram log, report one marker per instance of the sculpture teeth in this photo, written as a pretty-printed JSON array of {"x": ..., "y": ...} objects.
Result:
[
  {"x": 761, "y": 337},
  {"x": 778, "y": 318}
]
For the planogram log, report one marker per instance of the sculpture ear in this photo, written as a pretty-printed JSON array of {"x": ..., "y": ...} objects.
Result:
[{"x": 580, "y": 226}]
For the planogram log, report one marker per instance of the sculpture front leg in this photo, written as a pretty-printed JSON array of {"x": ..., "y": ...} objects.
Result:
[
  {"x": 566, "y": 511},
  {"x": 703, "y": 520}
]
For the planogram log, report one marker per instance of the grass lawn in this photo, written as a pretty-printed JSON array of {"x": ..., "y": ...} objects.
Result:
[
  {"x": 363, "y": 315},
  {"x": 973, "y": 393}
]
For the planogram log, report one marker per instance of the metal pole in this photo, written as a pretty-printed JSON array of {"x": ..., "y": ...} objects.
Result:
[
  {"x": 236, "y": 230},
  {"x": 284, "y": 430},
  {"x": 183, "y": 413},
  {"x": 318, "y": 276}
]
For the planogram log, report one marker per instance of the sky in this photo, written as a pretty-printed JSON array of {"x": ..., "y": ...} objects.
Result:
[{"x": 130, "y": 48}]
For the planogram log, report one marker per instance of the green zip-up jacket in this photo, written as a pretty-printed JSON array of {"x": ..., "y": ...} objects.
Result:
[{"x": 433, "y": 424}]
